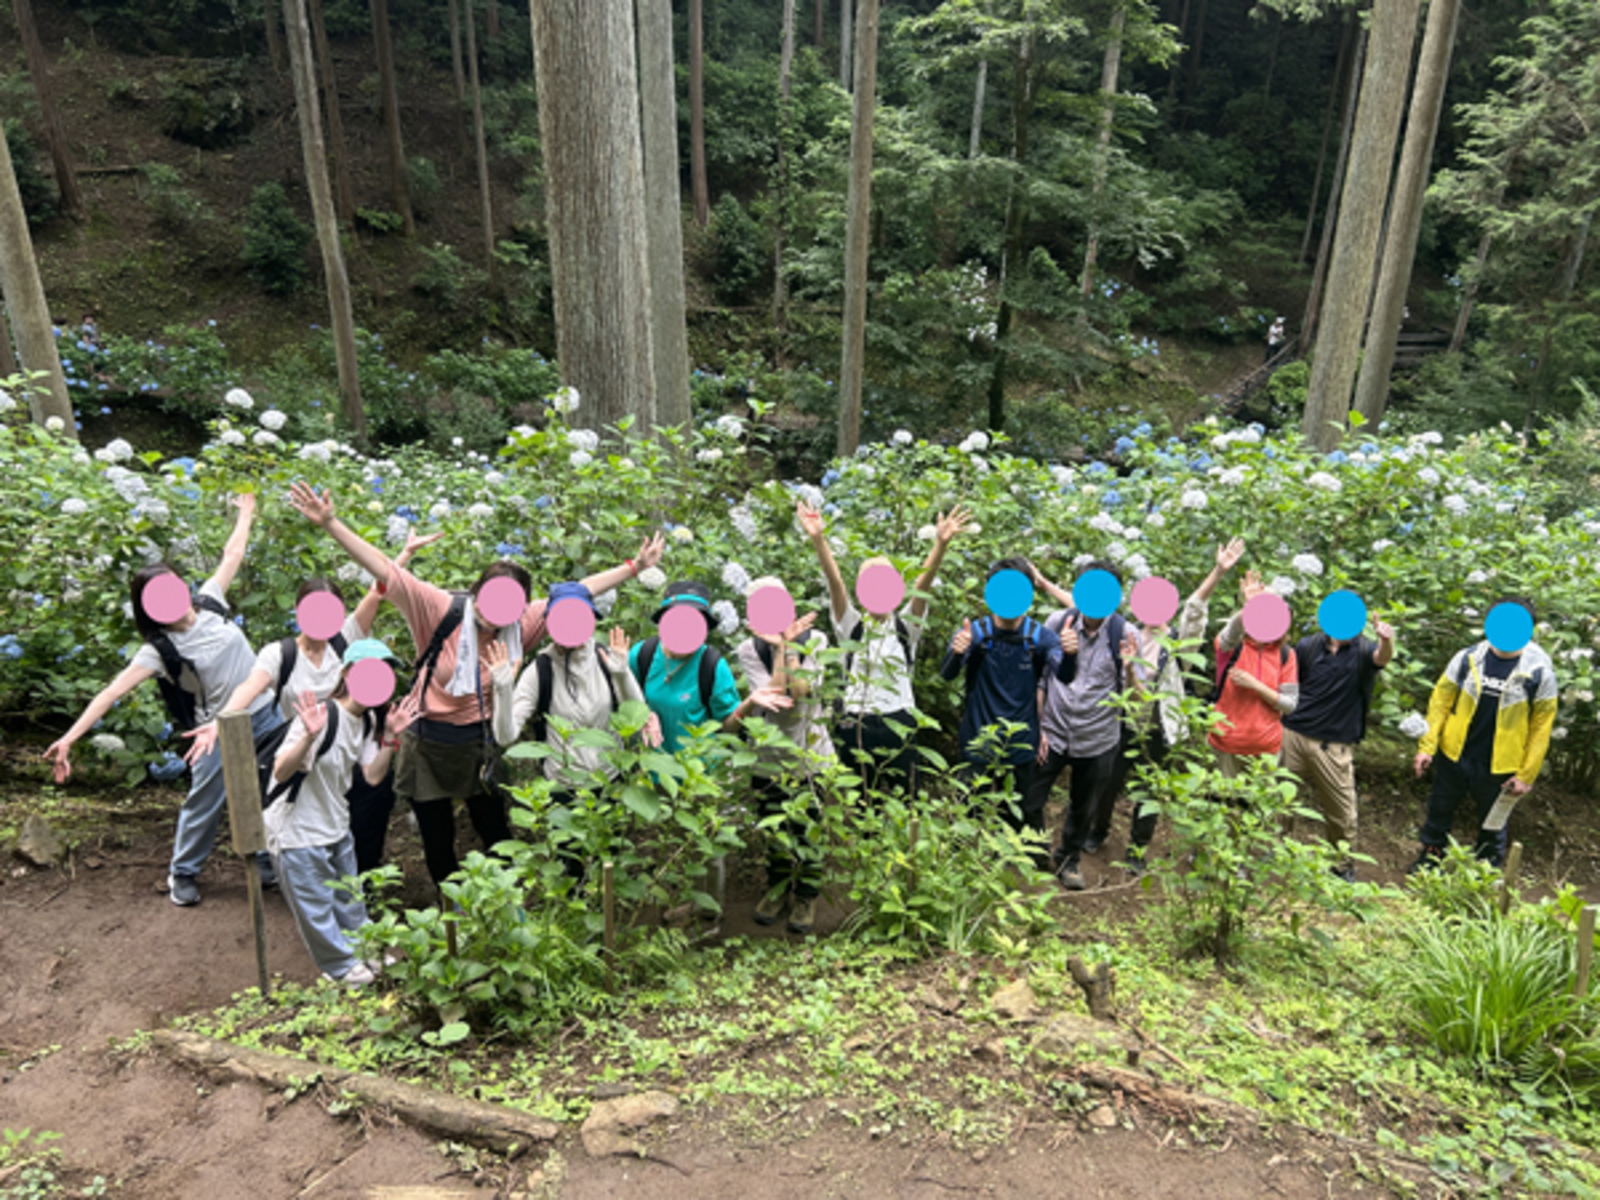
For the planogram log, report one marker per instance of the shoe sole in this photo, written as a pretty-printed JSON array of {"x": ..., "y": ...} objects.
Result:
[{"x": 764, "y": 922}]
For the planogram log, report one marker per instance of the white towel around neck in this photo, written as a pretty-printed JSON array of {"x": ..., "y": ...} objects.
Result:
[{"x": 464, "y": 682}]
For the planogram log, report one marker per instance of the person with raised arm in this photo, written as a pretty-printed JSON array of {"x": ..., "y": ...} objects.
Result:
[
  {"x": 876, "y": 735},
  {"x": 197, "y": 657},
  {"x": 449, "y": 753},
  {"x": 1257, "y": 684}
]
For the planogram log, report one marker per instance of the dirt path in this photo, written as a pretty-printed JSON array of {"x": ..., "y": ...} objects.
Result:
[{"x": 88, "y": 959}]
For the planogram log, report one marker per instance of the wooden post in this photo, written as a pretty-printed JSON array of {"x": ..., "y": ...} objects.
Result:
[
  {"x": 911, "y": 853},
  {"x": 1580, "y": 984},
  {"x": 608, "y": 896},
  {"x": 450, "y": 935},
  {"x": 243, "y": 786},
  {"x": 1509, "y": 877}
]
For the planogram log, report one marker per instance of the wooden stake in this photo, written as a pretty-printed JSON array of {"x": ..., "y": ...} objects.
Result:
[
  {"x": 911, "y": 853},
  {"x": 1580, "y": 985},
  {"x": 608, "y": 898},
  {"x": 1509, "y": 877},
  {"x": 243, "y": 787}
]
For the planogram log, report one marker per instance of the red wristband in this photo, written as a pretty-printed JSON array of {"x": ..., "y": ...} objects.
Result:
[
  {"x": 381, "y": 587},
  {"x": 633, "y": 568}
]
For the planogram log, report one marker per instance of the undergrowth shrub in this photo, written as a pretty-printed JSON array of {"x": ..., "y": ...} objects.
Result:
[{"x": 275, "y": 241}]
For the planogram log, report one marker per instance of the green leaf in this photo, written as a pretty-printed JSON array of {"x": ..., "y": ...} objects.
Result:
[
  {"x": 456, "y": 1031},
  {"x": 641, "y": 802}
]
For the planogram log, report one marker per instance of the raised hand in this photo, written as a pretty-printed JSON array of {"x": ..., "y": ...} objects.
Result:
[
  {"x": 495, "y": 654},
  {"x": 314, "y": 506},
  {"x": 204, "y": 740},
  {"x": 1069, "y": 640},
  {"x": 415, "y": 541},
  {"x": 618, "y": 642},
  {"x": 650, "y": 551},
  {"x": 1228, "y": 556},
  {"x": 1251, "y": 586},
  {"x": 811, "y": 521},
  {"x": 1384, "y": 630},
  {"x": 962, "y": 642},
  {"x": 770, "y": 699},
  {"x": 60, "y": 753},
  {"x": 952, "y": 523},
  {"x": 245, "y": 502},
  {"x": 402, "y": 715},
  {"x": 312, "y": 713},
  {"x": 796, "y": 631}
]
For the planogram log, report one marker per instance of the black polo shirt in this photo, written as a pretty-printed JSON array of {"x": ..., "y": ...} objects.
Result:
[{"x": 1335, "y": 689}]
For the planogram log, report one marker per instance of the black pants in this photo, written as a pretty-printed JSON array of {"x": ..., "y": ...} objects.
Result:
[
  {"x": 798, "y": 859},
  {"x": 883, "y": 758},
  {"x": 371, "y": 806},
  {"x": 1089, "y": 790},
  {"x": 436, "y": 823},
  {"x": 1148, "y": 745},
  {"x": 1451, "y": 782}
]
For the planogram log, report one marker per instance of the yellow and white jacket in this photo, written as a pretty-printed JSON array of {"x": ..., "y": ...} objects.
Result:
[{"x": 1523, "y": 723}]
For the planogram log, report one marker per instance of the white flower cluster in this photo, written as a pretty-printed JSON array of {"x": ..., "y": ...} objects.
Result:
[
  {"x": 397, "y": 531},
  {"x": 744, "y": 522},
  {"x": 1429, "y": 476},
  {"x": 1382, "y": 544},
  {"x": 354, "y": 573},
  {"x": 902, "y": 437},
  {"x": 682, "y": 533},
  {"x": 1306, "y": 564},
  {"x": 653, "y": 578},
  {"x": 565, "y": 400},
  {"x": 74, "y": 507},
  {"x": 265, "y": 437},
  {"x": 132, "y": 488},
  {"x": 1194, "y": 499},
  {"x": 709, "y": 455},
  {"x": 1232, "y": 477},
  {"x": 811, "y": 494},
  {"x": 1474, "y": 577},
  {"x": 583, "y": 439},
  {"x": 735, "y": 577},
  {"x": 153, "y": 509},
  {"x": 730, "y": 426},
  {"x": 580, "y": 459},
  {"x": 1456, "y": 505},
  {"x": 727, "y": 618},
  {"x": 1156, "y": 521},
  {"x": 1105, "y": 523},
  {"x": 439, "y": 510},
  {"x": 1321, "y": 479},
  {"x": 1413, "y": 725},
  {"x": 1061, "y": 474},
  {"x": 7, "y": 404},
  {"x": 238, "y": 398},
  {"x": 1283, "y": 586},
  {"x": 273, "y": 419},
  {"x": 231, "y": 437},
  {"x": 115, "y": 451},
  {"x": 480, "y": 511},
  {"x": 1431, "y": 438},
  {"x": 1246, "y": 436},
  {"x": 927, "y": 533},
  {"x": 108, "y": 743},
  {"x": 976, "y": 442}
]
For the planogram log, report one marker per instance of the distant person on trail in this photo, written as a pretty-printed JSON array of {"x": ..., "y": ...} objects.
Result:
[
  {"x": 198, "y": 659},
  {"x": 1489, "y": 723},
  {"x": 1277, "y": 335},
  {"x": 1319, "y": 737},
  {"x": 878, "y": 693},
  {"x": 449, "y": 753},
  {"x": 1257, "y": 685}
]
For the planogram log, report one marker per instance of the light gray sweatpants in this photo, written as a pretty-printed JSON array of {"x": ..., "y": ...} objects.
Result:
[{"x": 325, "y": 916}]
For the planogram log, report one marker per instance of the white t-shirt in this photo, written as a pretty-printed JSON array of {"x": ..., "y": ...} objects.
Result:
[
  {"x": 803, "y": 723},
  {"x": 320, "y": 816},
  {"x": 220, "y": 653},
  {"x": 880, "y": 676},
  {"x": 321, "y": 680}
]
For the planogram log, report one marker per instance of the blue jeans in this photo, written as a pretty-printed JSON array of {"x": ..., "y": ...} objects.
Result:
[
  {"x": 207, "y": 800},
  {"x": 325, "y": 916}
]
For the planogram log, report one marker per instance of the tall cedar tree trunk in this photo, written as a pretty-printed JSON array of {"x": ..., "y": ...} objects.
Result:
[
  {"x": 1011, "y": 249},
  {"x": 24, "y": 300},
  {"x": 491, "y": 19},
  {"x": 1346, "y": 40},
  {"x": 584, "y": 61},
  {"x": 480, "y": 144},
  {"x": 55, "y": 134},
  {"x": 816, "y": 33},
  {"x": 1405, "y": 209},
  {"x": 781, "y": 215},
  {"x": 275, "y": 51},
  {"x": 457, "y": 67},
  {"x": 399, "y": 170},
  {"x": 1361, "y": 207},
  {"x": 846, "y": 26},
  {"x": 658, "y": 110},
  {"x": 1108, "y": 89},
  {"x": 315, "y": 154},
  {"x": 976, "y": 140},
  {"x": 1191, "y": 84},
  {"x": 1330, "y": 218},
  {"x": 858, "y": 227},
  {"x": 698, "y": 188},
  {"x": 344, "y": 190},
  {"x": 8, "y": 357}
]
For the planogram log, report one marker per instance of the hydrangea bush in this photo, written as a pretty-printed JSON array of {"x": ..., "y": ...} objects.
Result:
[{"x": 1429, "y": 536}]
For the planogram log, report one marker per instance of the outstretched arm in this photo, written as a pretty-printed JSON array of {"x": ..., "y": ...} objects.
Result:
[
  {"x": 367, "y": 611},
  {"x": 1054, "y": 590},
  {"x": 816, "y": 530},
  {"x": 317, "y": 507},
  {"x": 649, "y": 555},
  {"x": 1227, "y": 558},
  {"x": 238, "y": 542},
  {"x": 948, "y": 526},
  {"x": 60, "y": 751}
]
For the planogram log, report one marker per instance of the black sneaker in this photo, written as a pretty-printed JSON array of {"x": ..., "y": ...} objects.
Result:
[
  {"x": 1092, "y": 843},
  {"x": 1345, "y": 872},
  {"x": 183, "y": 890},
  {"x": 1070, "y": 876},
  {"x": 1427, "y": 860}
]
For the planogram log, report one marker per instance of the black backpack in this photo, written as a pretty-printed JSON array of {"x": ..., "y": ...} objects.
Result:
[
  {"x": 291, "y": 785},
  {"x": 1116, "y": 627},
  {"x": 709, "y": 659},
  {"x": 289, "y": 649},
  {"x": 547, "y": 679},
  {"x": 180, "y": 701},
  {"x": 1233, "y": 661},
  {"x": 983, "y": 632},
  {"x": 448, "y": 624},
  {"x": 853, "y": 634}
]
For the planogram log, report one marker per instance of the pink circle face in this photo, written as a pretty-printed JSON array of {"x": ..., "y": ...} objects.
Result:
[
  {"x": 683, "y": 629},
  {"x": 371, "y": 682},
  {"x": 501, "y": 601},
  {"x": 880, "y": 588},
  {"x": 165, "y": 599},
  {"x": 321, "y": 615},
  {"x": 1267, "y": 617},
  {"x": 570, "y": 622},
  {"x": 770, "y": 611},
  {"x": 1154, "y": 600}
]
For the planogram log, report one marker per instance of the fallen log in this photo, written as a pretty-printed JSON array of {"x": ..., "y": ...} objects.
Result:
[{"x": 473, "y": 1121}]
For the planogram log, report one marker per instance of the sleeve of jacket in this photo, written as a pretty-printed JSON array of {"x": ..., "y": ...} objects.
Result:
[
  {"x": 1440, "y": 704},
  {"x": 952, "y": 664},
  {"x": 1541, "y": 720}
]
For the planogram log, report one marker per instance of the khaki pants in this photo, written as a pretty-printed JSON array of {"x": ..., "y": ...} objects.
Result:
[
  {"x": 1329, "y": 770},
  {"x": 1229, "y": 765}
]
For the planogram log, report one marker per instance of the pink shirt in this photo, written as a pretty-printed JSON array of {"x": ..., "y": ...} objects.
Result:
[{"x": 423, "y": 605}]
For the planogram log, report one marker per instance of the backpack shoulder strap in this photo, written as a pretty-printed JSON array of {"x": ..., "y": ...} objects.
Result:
[
  {"x": 179, "y": 700},
  {"x": 331, "y": 730},
  {"x": 212, "y": 604},
  {"x": 764, "y": 653},
  {"x": 546, "y": 675},
  {"x": 647, "y": 656},
  {"x": 904, "y": 634},
  {"x": 340, "y": 644},
  {"x": 288, "y": 654},
  {"x": 1223, "y": 672},
  {"x": 709, "y": 658},
  {"x": 290, "y": 788},
  {"x": 448, "y": 624}
]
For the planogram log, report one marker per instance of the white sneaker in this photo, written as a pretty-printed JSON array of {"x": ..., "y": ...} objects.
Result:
[{"x": 357, "y": 976}]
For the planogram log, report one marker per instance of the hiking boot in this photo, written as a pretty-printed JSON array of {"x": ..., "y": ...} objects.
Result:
[
  {"x": 183, "y": 890},
  {"x": 1345, "y": 872},
  {"x": 1071, "y": 878},
  {"x": 269, "y": 876},
  {"x": 803, "y": 915},
  {"x": 1092, "y": 843},
  {"x": 1132, "y": 863},
  {"x": 1428, "y": 859},
  {"x": 770, "y": 909}
]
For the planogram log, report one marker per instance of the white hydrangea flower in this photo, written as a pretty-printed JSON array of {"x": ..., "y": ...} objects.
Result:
[
  {"x": 605, "y": 602},
  {"x": 735, "y": 577},
  {"x": 1116, "y": 551},
  {"x": 118, "y": 450},
  {"x": 1156, "y": 521},
  {"x": 1456, "y": 505},
  {"x": 1105, "y": 523},
  {"x": 318, "y": 451},
  {"x": 154, "y": 510},
  {"x": 977, "y": 442},
  {"x": 811, "y": 494},
  {"x": 458, "y": 442},
  {"x": 682, "y": 533},
  {"x": 580, "y": 459},
  {"x": 397, "y": 531},
  {"x": 273, "y": 419},
  {"x": 521, "y": 431},
  {"x": 1382, "y": 544},
  {"x": 1413, "y": 725},
  {"x": 1477, "y": 577},
  {"x": 231, "y": 437},
  {"x": 1431, "y": 438},
  {"x": 902, "y": 437},
  {"x": 265, "y": 437},
  {"x": 1306, "y": 564},
  {"x": 730, "y": 426},
  {"x": 238, "y": 398},
  {"x": 1082, "y": 560},
  {"x": 1137, "y": 566},
  {"x": 1132, "y": 534},
  {"x": 149, "y": 551},
  {"x": 54, "y": 424},
  {"x": 710, "y": 455},
  {"x": 727, "y": 618},
  {"x": 1061, "y": 474},
  {"x": 74, "y": 507},
  {"x": 1194, "y": 498},
  {"x": 584, "y": 439},
  {"x": 653, "y": 578},
  {"x": 1232, "y": 477},
  {"x": 494, "y": 477},
  {"x": 440, "y": 510},
  {"x": 565, "y": 400},
  {"x": 1283, "y": 586},
  {"x": 354, "y": 573},
  {"x": 108, "y": 743},
  {"x": 1221, "y": 441},
  {"x": 1325, "y": 481},
  {"x": 132, "y": 488},
  {"x": 480, "y": 511},
  {"x": 744, "y": 523},
  {"x": 1429, "y": 476},
  {"x": 7, "y": 404},
  {"x": 1559, "y": 733}
]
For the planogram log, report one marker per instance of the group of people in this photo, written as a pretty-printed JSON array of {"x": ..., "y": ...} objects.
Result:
[{"x": 1088, "y": 695}]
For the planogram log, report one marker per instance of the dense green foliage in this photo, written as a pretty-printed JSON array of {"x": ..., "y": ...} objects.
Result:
[{"x": 275, "y": 241}]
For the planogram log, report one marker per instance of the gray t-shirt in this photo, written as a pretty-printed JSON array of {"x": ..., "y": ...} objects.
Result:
[
  {"x": 307, "y": 676},
  {"x": 1076, "y": 718},
  {"x": 220, "y": 653}
]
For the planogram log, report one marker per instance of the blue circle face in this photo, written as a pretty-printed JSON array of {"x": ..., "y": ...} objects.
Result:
[
  {"x": 1342, "y": 615},
  {"x": 1097, "y": 594},
  {"x": 1509, "y": 627},
  {"x": 1008, "y": 594}
]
